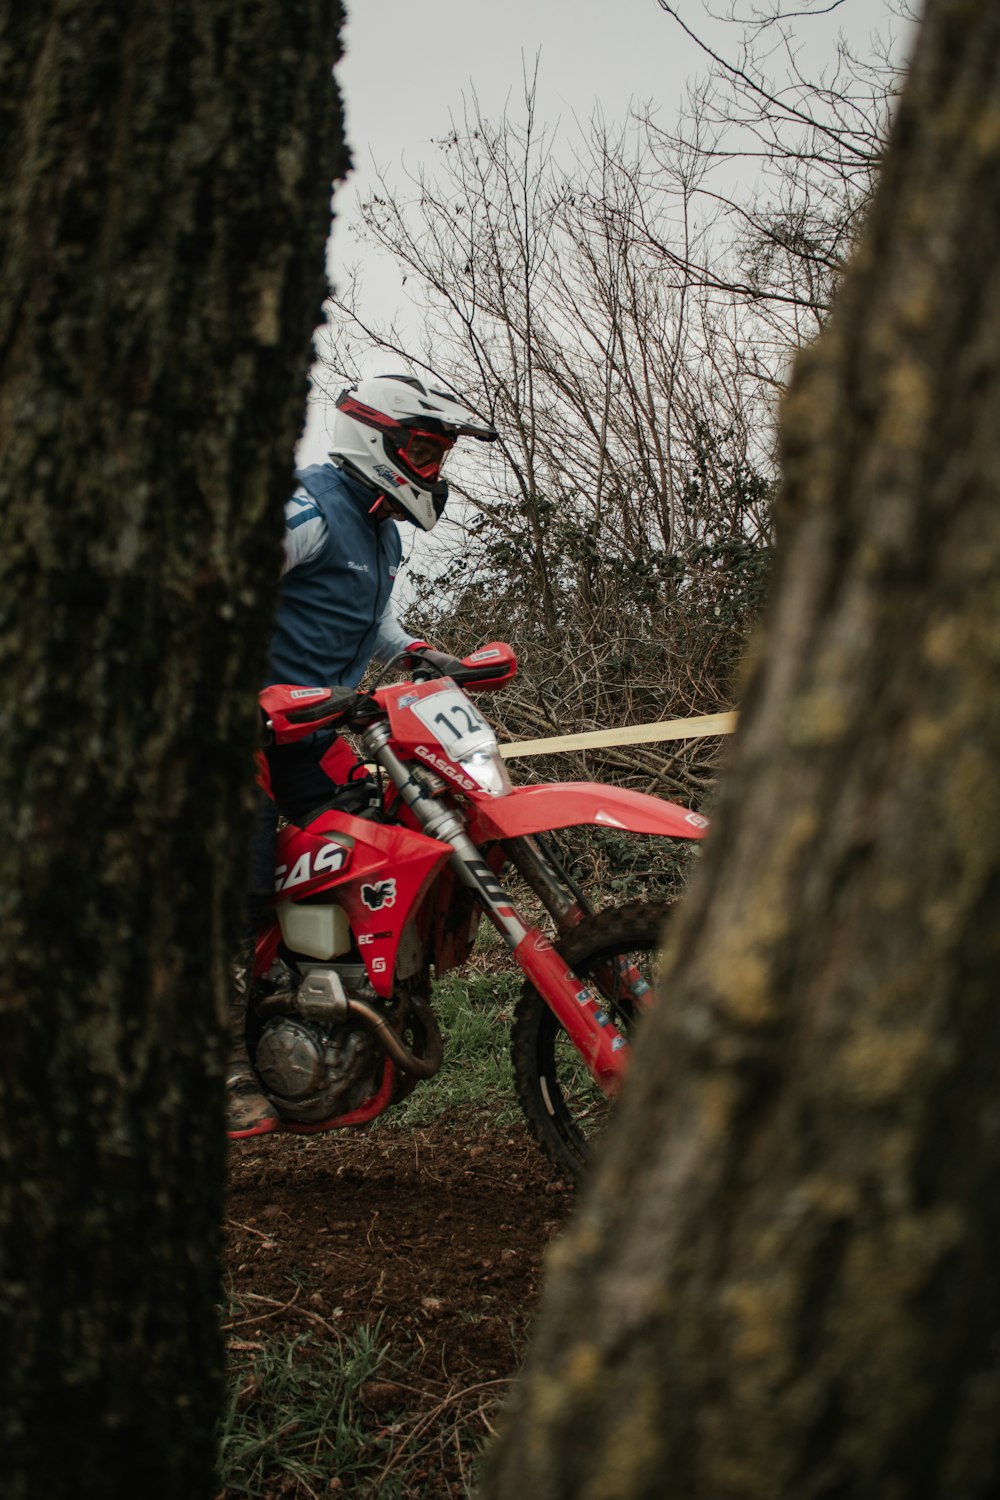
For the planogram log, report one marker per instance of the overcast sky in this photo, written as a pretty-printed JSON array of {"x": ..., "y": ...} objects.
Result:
[{"x": 406, "y": 67}]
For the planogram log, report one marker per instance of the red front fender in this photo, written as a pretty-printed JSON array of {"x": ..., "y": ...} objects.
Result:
[{"x": 565, "y": 804}]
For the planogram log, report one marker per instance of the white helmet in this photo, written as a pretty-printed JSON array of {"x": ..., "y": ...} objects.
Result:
[{"x": 393, "y": 433}]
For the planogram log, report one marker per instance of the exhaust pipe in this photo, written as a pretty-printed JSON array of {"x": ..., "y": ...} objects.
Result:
[{"x": 322, "y": 997}]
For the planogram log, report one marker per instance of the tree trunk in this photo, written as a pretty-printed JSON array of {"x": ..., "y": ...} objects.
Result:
[
  {"x": 783, "y": 1280},
  {"x": 165, "y": 178}
]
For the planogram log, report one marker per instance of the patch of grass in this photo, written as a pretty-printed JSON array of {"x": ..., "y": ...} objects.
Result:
[
  {"x": 308, "y": 1416},
  {"x": 474, "y": 1012},
  {"x": 296, "y": 1416}
]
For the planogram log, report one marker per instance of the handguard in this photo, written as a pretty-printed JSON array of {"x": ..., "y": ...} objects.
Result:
[{"x": 292, "y": 713}]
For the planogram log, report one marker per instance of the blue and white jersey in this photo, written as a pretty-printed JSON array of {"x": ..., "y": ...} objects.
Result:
[{"x": 333, "y": 611}]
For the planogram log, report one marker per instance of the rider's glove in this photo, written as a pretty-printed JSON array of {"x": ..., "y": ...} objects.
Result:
[{"x": 439, "y": 663}]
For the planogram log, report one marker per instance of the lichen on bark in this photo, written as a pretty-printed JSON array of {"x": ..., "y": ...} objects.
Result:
[
  {"x": 165, "y": 176},
  {"x": 800, "y": 1190}
]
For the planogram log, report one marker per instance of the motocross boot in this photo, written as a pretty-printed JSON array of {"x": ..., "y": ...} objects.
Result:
[{"x": 248, "y": 1112}]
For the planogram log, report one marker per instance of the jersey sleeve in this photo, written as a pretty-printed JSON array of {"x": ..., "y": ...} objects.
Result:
[
  {"x": 305, "y": 530},
  {"x": 392, "y": 638}
]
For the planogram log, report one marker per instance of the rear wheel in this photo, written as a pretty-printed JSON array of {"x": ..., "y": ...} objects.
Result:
[{"x": 616, "y": 952}]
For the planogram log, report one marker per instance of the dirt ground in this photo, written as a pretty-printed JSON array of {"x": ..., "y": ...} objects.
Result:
[{"x": 440, "y": 1229}]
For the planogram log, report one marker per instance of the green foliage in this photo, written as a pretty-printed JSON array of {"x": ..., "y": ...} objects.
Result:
[{"x": 625, "y": 867}]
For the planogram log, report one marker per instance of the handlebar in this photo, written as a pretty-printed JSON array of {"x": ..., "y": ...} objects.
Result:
[{"x": 295, "y": 712}]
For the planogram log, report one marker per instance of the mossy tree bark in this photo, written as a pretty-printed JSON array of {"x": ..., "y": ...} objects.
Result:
[
  {"x": 165, "y": 175},
  {"x": 783, "y": 1280}
]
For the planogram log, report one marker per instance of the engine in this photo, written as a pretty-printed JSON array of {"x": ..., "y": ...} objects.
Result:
[{"x": 314, "y": 1069}]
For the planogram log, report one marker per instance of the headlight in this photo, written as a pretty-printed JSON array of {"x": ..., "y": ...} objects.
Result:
[{"x": 488, "y": 771}]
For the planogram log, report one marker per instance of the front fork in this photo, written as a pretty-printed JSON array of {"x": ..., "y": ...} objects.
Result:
[
  {"x": 567, "y": 905},
  {"x": 576, "y": 1007}
]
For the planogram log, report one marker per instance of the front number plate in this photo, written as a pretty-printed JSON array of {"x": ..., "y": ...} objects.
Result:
[{"x": 454, "y": 723}]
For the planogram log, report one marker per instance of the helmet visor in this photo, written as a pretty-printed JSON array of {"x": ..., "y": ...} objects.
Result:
[{"x": 423, "y": 453}]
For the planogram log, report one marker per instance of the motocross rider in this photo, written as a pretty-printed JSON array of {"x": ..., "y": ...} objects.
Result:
[{"x": 391, "y": 436}]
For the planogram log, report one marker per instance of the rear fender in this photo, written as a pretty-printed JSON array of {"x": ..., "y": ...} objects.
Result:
[{"x": 568, "y": 804}]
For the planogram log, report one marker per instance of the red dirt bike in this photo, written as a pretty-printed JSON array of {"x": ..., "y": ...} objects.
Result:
[{"x": 340, "y": 1023}]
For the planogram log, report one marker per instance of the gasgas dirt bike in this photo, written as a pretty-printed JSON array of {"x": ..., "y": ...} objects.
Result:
[{"x": 340, "y": 1023}]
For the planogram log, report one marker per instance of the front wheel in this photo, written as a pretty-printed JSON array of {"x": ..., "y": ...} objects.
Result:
[{"x": 616, "y": 952}]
